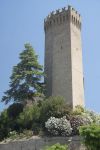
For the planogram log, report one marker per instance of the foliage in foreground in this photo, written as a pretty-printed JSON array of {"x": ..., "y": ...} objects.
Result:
[
  {"x": 14, "y": 110},
  {"x": 91, "y": 136},
  {"x": 4, "y": 121},
  {"x": 57, "y": 147},
  {"x": 30, "y": 118},
  {"x": 43, "y": 116},
  {"x": 77, "y": 121},
  {"x": 54, "y": 107},
  {"x": 25, "y": 81},
  {"x": 58, "y": 126},
  {"x": 15, "y": 135}
]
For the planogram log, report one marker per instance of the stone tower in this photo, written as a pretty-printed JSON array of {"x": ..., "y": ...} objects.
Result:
[{"x": 63, "y": 56}]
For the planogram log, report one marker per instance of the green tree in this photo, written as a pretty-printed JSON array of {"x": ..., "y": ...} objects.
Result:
[{"x": 26, "y": 78}]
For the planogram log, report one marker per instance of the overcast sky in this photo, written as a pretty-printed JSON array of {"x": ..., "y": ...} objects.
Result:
[{"x": 21, "y": 21}]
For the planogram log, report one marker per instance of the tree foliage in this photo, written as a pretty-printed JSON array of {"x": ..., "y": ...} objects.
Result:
[
  {"x": 25, "y": 81},
  {"x": 4, "y": 121},
  {"x": 14, "y": 110}
]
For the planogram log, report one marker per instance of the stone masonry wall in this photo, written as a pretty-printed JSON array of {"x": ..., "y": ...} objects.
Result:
[{"x": 39, "y": 143}]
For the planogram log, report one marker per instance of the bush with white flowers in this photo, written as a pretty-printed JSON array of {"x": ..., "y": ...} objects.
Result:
[
  {"x": 79, "y": 120},
  {"x": 97, "y": 119},
  {"x": 58, "y": 126}
]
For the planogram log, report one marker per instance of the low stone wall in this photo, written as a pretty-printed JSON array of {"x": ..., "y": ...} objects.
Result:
[{"x": 39, "y": 143}]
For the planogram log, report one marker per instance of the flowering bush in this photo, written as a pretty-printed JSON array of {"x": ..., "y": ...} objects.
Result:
[
  {"x": 54, "y": 106},
  {"x": 91, "y": 114},
  {"x": 97, "y": 120},
  {"x": 78, "y": 110},
  {"x": 58, "y": 126},
  {"x": 88, "y": 118},
  {"x": 79, "y": 120}
]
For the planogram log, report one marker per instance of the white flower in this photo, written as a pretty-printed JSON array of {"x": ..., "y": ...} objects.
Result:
[{"x": 58, "y": 126}]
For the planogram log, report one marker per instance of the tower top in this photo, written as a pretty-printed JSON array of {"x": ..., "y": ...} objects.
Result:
[{"x": 62, "y": 15}]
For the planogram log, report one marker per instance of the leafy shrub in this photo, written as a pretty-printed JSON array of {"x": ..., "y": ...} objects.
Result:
[
  {"x": 3, "y": 132},
  {"x": 16, "y": 135},
  {"x": 54, "y": 106},
  {"x": 91, "y": 114},
  {"x": 4, "y": 128},
  {"x": 77, "y": 121},
  {"x": 14, "y": 110},
  {"x": 13, "y": 113},
  {"x": 91, "y": 136},
  {"x": 97, "y": 120},
  {"x": 78, "y": 110},
  {"x": 58, "y": 126},
  {"x": 29, "y": 118},
  {"x": 57, "y": 147},
  {"x": 13, "y": 134}
]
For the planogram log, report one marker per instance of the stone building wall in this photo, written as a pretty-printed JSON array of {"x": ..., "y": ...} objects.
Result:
[
  {"x": 76, "y": 58},
  {"x": 63, "y": 56},
  {"x": 39, "y": 143}
]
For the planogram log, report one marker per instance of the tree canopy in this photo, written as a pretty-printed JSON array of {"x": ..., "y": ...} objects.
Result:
[{"x": 26, "y": 79}]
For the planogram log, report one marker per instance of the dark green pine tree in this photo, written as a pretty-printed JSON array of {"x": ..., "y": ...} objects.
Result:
[{"x": 26, "y": 79}]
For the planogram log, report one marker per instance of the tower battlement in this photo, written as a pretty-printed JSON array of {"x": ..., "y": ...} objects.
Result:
[{"x": 60, "y": 16}]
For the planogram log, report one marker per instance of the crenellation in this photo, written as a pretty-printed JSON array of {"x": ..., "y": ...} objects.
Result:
[
  {"x": 52, "y": 13},
  {"x": 57, "y": 12},
  {"x": 64, "y": 9},
  {"x": 62, "y": 15},
  {"x": 76, "y": 21},
  {"x": 71, "y": 9}
]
